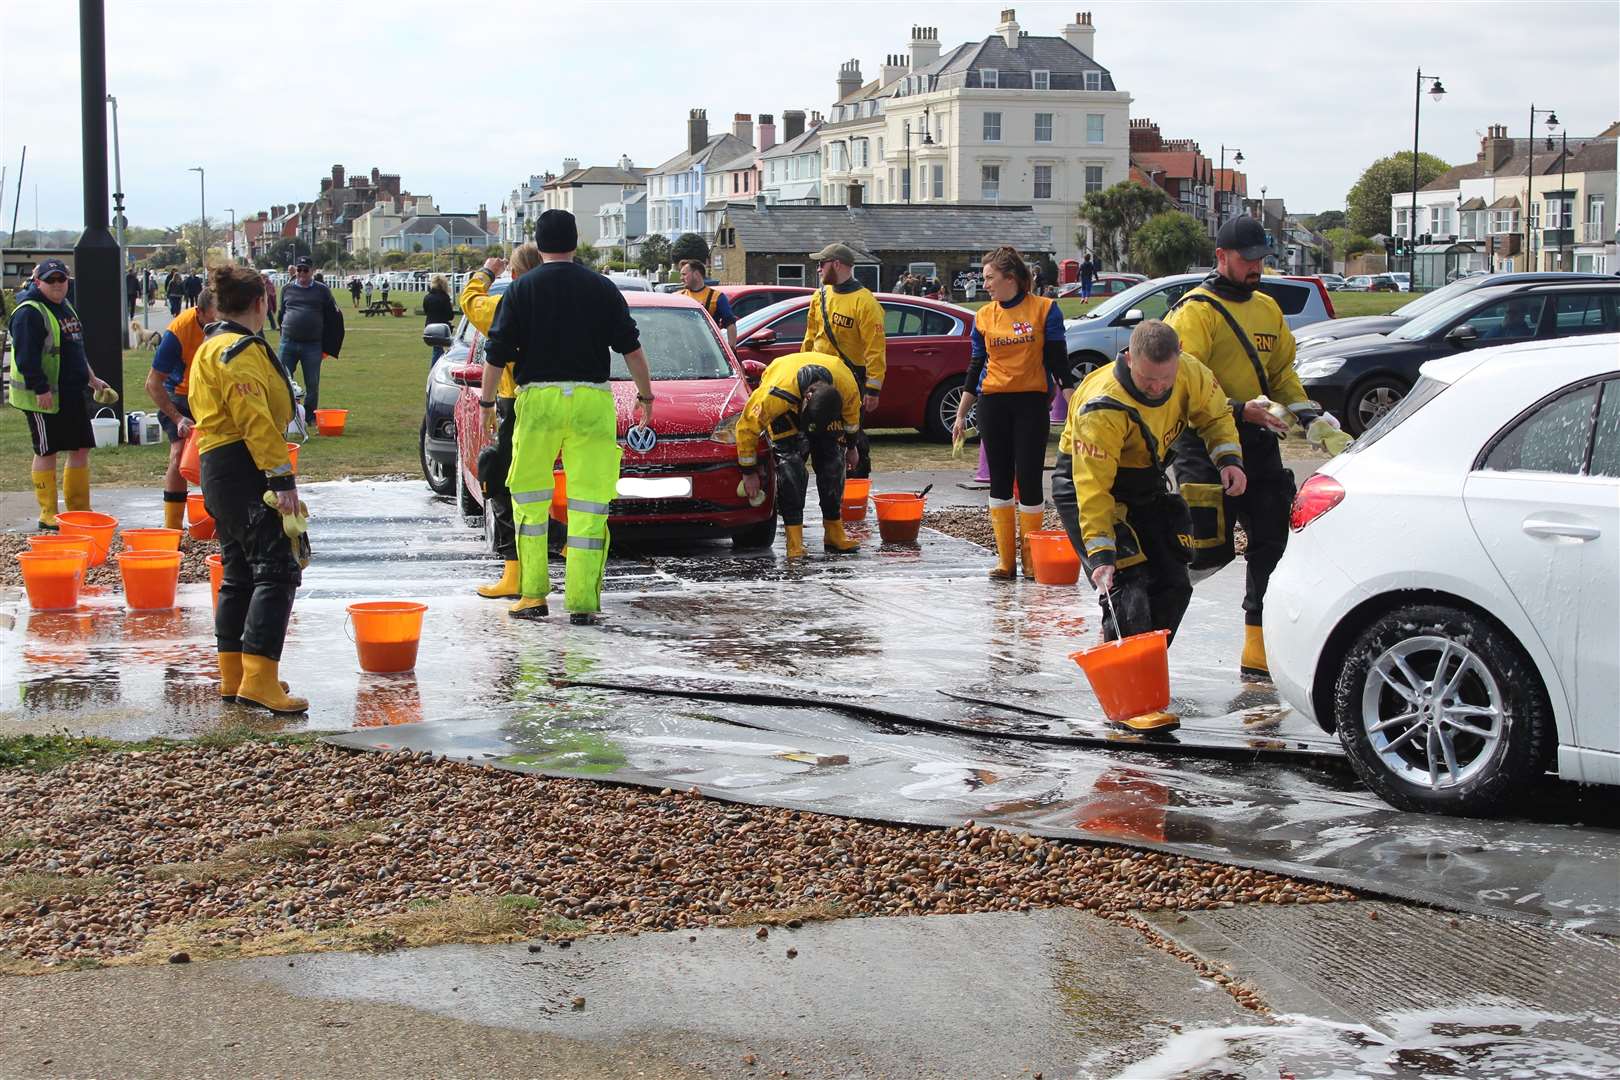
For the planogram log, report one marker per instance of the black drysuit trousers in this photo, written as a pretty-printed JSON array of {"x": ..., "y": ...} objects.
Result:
[
  {"x": 261, "y": 572},
  {"x": 823, "y": 452},
  {"x": 493, "y": 465}
]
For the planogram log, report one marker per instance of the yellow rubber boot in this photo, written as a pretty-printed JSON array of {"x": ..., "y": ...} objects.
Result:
[
  {"x": 262, "y": 686},
  {"x": 230, "y": 674},
  {"x": 835, "y": 541},
  {"x": 1253, "y": 665},
  {"x": 45, "y": 494},
  {"x": 76, "y": 487},
  {"x": 508, "y": 588},
  {"x": 174, "y": 510},
  {"x": 530, "y": 607},
  {"x": 795, "y": 542},
  {"x": 1028, "y": 521},
  {"x": 1003, "y": 522}
]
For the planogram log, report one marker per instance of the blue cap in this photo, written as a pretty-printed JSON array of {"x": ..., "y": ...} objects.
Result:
[{"x": 46, "y": 267}]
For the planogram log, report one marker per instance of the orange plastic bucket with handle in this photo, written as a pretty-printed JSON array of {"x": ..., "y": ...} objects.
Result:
[
  {"x": 98, "y": 527},
  {"x": 899, "y": 516},
  {"x": 292, "y": 455},
  {"x": 151, "y": 539},
  {"x": 331, "y": 421},
  {"x": 216, "y": 574},
  {"x": 1056, "y": 562},
  {"x": 56, "y": 543},
  {"x": 150, "y": 578},
  {"x": 52, "y": 578},
  {"x": 856, "y": 492},
  {"x": 559, "y": 497},
  {"x": 387, "y": 633},
  {"x": 1130, "y": 677},
  {"x": 200, "y": 521}
]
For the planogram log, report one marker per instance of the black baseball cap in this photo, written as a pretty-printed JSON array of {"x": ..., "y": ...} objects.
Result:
[
  {"x": 304, "y": 263},
  {"x": 1244, "y": 235},
  {"x": 46, "y": 267}
]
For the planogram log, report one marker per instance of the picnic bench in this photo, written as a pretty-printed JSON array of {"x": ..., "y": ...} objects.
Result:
[{"x": 383, "y": 307}]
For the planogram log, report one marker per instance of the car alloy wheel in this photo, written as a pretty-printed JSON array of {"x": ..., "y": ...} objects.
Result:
[
  {"x": 438, "y": 478},
  {"x": 1372, "y": 401},
  {"x": 1433, "y": 712}
]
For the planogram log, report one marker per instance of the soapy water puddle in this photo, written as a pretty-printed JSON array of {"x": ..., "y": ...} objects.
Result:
[{"x": 1486, "y": 1041}]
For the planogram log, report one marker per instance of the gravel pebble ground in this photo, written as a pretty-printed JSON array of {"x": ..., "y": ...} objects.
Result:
[
  {"x": 193, "y": 561},
  {"x": 258, "y": 848}
]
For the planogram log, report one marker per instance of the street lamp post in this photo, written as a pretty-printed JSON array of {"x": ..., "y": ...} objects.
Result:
[
  {"x": 118, "y": 228},
  {"x": 1530, "y": 177},
  {"x": 1220, "y": 216},
  {"x": 927, "y": 140},
  {"x": 232, "y": 247},
  {"x": 202, "y": 196},
  {"x": 1437, "y": 92}
]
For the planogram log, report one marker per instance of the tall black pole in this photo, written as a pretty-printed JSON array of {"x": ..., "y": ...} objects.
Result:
[
  {"x": 1411, "y": 219},
  {"x": 100, "y": 283},
  {"x": 1565, "y": 217},
  {"x": 1529, "y": 190}
]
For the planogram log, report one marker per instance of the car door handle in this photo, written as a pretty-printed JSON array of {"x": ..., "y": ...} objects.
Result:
[
  {"x": 925, "y": 352},
  {"x": 1560, "y": 529}
]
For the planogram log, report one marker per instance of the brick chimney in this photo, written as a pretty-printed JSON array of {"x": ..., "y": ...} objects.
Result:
[
  {"x": 697, "y": 130},
  {"x": 374, "y": 175},
  {"x": 894, "y": 67},
  {"x": 483, "y": 217},
  {"x": 1145, "y": 137},
  {"x": 1008, "y": 27},
  {"x": 569, "y": 165},
  {"x": 1081, "y": 34},
  {"x": 815, "y": 119},
  {"x": 1496, "y": 149},
  {"x": 924, "y": 46},
  {"x": 337, "y": 176},
  {"x": 326, "y": 184},
  {"x": 275, "y": 211},
  {"x": 792, "y": 124},
  {"x": 849, "y": 79},
  {"x": 855, "y": 195},
  {"x": 767, "y": 131},
  {"x": 742, "y": 126}
]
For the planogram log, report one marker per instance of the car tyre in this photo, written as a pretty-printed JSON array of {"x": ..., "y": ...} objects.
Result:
[
  {"x": 941, "y": 414},
  {"x": 1474, "y": 740},
  {"x": 472, "y": 511},
  {"x": 1084, "y": 363},
  {"x": 1370, "y": 399},
  {"x": 762, "y": 535},
  {"x": 438, "y": 478}
]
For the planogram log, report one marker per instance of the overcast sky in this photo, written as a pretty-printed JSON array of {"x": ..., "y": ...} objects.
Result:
[{"x": 464, "y": 100}]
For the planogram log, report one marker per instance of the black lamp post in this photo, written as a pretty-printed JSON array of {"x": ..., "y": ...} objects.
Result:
[
  {"x": 927, "y": 140},
  {"x": 99, "y": 279},
  {"x": 1530, "y": 178},
  {"x": 1220, "y": 216},
  {"x": 1437, "y": 92}
]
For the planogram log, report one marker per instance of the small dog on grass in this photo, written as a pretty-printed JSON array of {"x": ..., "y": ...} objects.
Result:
[{"x": 143, "y": 338}]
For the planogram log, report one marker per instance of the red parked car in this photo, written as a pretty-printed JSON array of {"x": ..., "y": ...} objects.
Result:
[
  {"x": 686, "y": 484},
  {"x": 929, "y": 345},
  {"x": 747, "y": 299}
]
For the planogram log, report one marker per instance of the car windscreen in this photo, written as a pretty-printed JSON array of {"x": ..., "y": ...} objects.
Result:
[
  {"x": 1123, "y": 302},
  {"x": 1430, "y": 301},
  {"x": 1437, "y": 318},
  {"x": 678, "y": 344},
  {"x": 749, "y": 323}
]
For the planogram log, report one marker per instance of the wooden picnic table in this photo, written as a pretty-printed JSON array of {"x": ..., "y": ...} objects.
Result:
[{"x": 384, "y": 307}]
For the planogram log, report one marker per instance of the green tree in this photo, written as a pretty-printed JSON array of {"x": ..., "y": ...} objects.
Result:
[
  {"x": 171, "y": 255},
  {"x": 1115, "y": 214},
  {"x": 690, "y": 245},
  {"x": 1369, "y": 199},
  {"x": 1321, "y": 223},
  {"x": 587, "y": 252},
  {"x": 393, "y": 260},
  {"x": 284, "y": 251},
  {"x": 1170, "y": 242},
  {"x": 655, "y": 252},
  {"x": 1347, "y": 242}
]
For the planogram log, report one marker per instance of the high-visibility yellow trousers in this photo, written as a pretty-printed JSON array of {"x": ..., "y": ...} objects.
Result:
[{"x": 578, "y": 419}]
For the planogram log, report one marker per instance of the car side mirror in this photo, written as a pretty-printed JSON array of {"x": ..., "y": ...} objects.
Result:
[
  {"x": 762, "y": 340},
  {"x": 1132, "y": 317},
  {"x": 472, "y": 375},
  {"x": 1463, "y": 337},
  {"x": 752, "y": 370},
  {"x": 436, "y": 335}
]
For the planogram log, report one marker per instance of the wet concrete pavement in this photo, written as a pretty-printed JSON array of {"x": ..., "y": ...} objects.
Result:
[{"x": 888, "y": 634}]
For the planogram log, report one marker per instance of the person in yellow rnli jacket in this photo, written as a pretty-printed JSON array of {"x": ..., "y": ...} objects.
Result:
[
  {"x": 695, "y": 287},
  {"x": 845, "y": 320},
  {"x": 1019, "y": 356},
  {"x": 1239, "y": 333},
  {"x": 809, "y": 406},
  {"x": 242, "y": 401},
  {"x": 494, "y": 461},
  {"x": 1110, "y": 485}
]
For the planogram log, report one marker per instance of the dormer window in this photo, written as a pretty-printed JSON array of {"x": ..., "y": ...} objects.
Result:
[
  {"x": 1041, "y": 80},
  {"x": 1093, "y": 80},
  {"x": 990, "y": 78}
]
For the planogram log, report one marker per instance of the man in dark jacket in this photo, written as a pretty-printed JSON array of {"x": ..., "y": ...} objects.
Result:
[
  {"x": 437, "y": 307},
  {"x": 174, "y": 290},
  {"x": 311, "y": 328},
  {"x": 193, "y": 288}
]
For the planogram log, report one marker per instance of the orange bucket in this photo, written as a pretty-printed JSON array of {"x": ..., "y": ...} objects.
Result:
[
  {"x": 150, "y": 578},
  {"x": 559, "y": 497},
  {"x": 1054, "y": 557},
  {"x": 151, "y": 539},
  {"x": 52, "y": 578},
  {"x": 98, "y": 527},
  {"x": 56, "y": 544},
  {"x": 1130, "y": 677},
  {"x": 386, "y": 634},
  {"x": 202, "y": 524},
  {"x": 216, "y": 574},
  {"x": 856, "y": 493},
  {"x": 899, "y": 516},
  {"x": 331, "y": 421},
  {"x": 292, "y": 455}
]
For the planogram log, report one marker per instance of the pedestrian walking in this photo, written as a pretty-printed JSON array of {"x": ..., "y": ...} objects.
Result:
[
  {"x": 437, "y": 307},
  {"x": 494, "y": 462},
  {"x": 1110, "y": 484},
  {"x": 385, "y": 290},
  {"x": 1240, "y": 334},
  {"x": 132, "y": 290},
  {"x": 270, "y": 298},
  {"x": 695, "y": 287},
  {"x": 1088, "y": 274},
  {"x": 51, "y": 385},
  {"x": 174, "y": 289},
  {"x": 809, "y": 406},
  {"x": 311, "y": 329},
  {"x": 846, "y": 321},
  {"x": 368, "y": 292},
  {"x": 354, "y": 292},
  {"x": 556, "y": 327},
  {"x": 168, "y": 385},
  {"x": 243, "y": 401},
  {"x": 192, "y": 287},
  {"x": 1019, "y": 355}
]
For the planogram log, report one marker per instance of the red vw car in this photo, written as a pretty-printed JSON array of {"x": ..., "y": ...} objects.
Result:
[
  {"x": 685, "y": 485},
  {"x": 747, "y": 299},
  {"x": 929, "y": 345}
]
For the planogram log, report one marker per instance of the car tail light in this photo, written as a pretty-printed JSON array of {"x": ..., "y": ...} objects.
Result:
[
  {"x": 1327, "y": 298},
  {"x": 1316, "y": 497}
]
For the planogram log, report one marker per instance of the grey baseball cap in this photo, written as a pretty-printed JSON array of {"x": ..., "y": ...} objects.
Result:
[{"x": 837, "y": 252}]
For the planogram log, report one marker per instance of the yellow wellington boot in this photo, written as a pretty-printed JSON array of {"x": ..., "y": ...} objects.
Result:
[
  {"x": 230, "y": 674},
  {"x": 835, "y": 541},
  {"x": 795, "y": 541},
  {"x": 261, "y": 686},
  {"x": 76, "y": 487},
  {"x": 508, "y": 588},
  {"x": 45, "y": 493},
  {"x": 1004, "y": 523},
  {"x": 1253, "y": 665},
  {"x": 530, "y": 607},
  {"x": 1028, "y": 521},
  {"x": 174, "y": 510}
]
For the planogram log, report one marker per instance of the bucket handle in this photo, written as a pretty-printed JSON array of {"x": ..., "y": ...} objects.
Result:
[
  {"x": 105, "y": 409},
  {"x": 1109, "y": 615},
  {"x": 348, "y": 626}
]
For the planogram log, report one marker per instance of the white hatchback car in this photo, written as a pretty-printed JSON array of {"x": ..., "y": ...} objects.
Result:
[{"x": 1450, "y": 599}]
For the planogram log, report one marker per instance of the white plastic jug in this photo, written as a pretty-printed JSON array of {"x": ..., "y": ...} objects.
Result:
[{"x": 105, "y": 428}]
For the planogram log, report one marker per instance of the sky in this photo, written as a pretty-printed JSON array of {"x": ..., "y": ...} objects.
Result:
[{"x": 465, "y": 101}]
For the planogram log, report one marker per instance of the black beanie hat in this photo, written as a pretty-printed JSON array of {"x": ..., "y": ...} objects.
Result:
[
  {"x": 556, "y": 233},
  {"x": 822, "y": 408}
]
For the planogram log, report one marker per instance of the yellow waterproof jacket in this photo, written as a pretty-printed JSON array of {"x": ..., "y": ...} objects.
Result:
[
  {"x": 1205, "y": 334},
  {"x": 479, "y": 307},
  {"x": 856, "y": 330},
  {"x": 773, "y": 409},
  {"x": 239, "y": 393},
  {"x": 1112, "y": 463}
]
